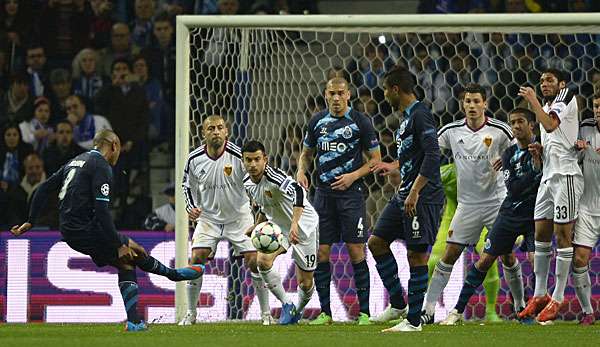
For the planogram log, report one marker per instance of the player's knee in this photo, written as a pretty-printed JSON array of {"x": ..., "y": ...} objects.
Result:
[
  {"x": 252, "y": 263},
  {"x": 356, "y": 252},
  {"x": 378, "y": 246},
  {"x": 452, "y": 253},
  {"x": 263, "y": 264},
  {"x": 306, "y": 283},
  {"x": 199, "y": 256},
  {"x": 580, "y": 259},
  {"x": 508, "y": 260},
  {"x": 485, "y": 262},
  {"x": 417, "y": 256}
]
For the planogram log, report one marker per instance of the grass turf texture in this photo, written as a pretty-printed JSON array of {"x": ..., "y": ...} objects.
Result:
[{"x": 337, "y": 335}]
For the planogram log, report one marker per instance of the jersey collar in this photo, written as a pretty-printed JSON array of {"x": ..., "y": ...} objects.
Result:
[
  {"x": 346, "y": 115},
  {"x": 410, "y": 107}
]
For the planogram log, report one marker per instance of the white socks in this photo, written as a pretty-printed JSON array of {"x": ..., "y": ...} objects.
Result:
[
  {"x": 439, "y": 280},
  {"x": 514, "y": 278},
  {"x": 541, "y": 261},
  {"x": 193, "y": 293},
  {"x": 273, "y": 281}
]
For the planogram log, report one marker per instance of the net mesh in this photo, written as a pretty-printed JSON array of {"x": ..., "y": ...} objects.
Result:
[{"x": 268, "y": 82}]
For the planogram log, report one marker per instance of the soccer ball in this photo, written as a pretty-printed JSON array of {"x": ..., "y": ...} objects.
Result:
[{"x": 267, "y": 237}]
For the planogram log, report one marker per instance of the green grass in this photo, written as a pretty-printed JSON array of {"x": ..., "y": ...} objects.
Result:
[{"x": 337, "y": 335}]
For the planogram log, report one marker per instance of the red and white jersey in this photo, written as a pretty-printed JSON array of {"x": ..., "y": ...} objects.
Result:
[
  {"x": 276, "y": 194},
  {"x": 215, "y": 185},
  {"x": 474, "y": 151},
  {"x": 590, "y": 200},
  {"x": 560, "y": 156}
]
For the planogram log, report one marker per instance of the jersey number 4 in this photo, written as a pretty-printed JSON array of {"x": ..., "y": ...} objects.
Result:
[{"x": 68, "y": 179}]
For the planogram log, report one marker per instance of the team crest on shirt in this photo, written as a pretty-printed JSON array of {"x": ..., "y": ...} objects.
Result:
[
  {"x": 228, "y": 169},
  {"x": 347, "y": 132},
  {"x": 323, "y": 131},
  {"x": 105, "y": 189},
  {"x": 269, "y": 194},
  {"x": 402, "y": 128},
  {"x": 487, "y": 141}
]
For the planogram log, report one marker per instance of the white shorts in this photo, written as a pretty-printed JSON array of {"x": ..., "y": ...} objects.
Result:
[
  {"x": 468, "y": 222},
  {"x": 558, "y": 199},
  {"x": 208, "y": 235},
  {"x": 587, "y": 230},
  {"x": 305, "y": 252}
]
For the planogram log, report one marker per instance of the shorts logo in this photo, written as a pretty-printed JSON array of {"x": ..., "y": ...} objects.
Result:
[
  {"x": 506, "y": 175},
  {"x": 487, "y": 141},
  {"x": 416, "y": 234},
  {"x": 228, "y": 169},
  {"x": 347, "y": 133},
  {"x": 105, "y": 189},
  {"x": 269, "y": 194},
  {"x": 488, "y": 244}
]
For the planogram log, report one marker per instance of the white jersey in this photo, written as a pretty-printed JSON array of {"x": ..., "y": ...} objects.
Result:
[
  {"x": 474, "y": 151},
  {"x": 590, "y": 200},
  {"x": 215, "y": 185},
  {"x": 276, "y": 194},
  {"x": 559, "y": 155}
]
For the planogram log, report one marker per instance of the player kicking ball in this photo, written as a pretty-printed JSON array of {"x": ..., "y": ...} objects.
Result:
[
  {"x": 87, "y": 227},
  {"x": 284, "y": 202},
  {"x": 522, "y": 168}
]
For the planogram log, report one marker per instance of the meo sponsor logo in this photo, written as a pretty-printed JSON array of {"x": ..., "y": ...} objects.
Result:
[{"x": 339, "y": 147}]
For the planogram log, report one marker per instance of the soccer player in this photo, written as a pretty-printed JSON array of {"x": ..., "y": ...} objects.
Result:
[
  {"x": 557, "y": 203},
  {"x": 340, "y": 136},
  {"x": 587, "y": 228},
  {"x": 86, "y": 225},
  {"x": 284, "y": 202},
  {"x": 413, "y": 214},
  {"x": 215, "y": 198},
  {"x": 522, "y": 174},
  {"x": 477, "y": 143}
]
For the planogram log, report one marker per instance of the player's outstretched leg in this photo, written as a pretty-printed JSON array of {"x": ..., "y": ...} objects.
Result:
[
  {"x": 150, "y": 264},
  {"x": 129, "y": 291}
]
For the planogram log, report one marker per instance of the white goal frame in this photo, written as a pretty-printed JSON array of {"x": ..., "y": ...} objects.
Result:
[{"x": 506, "y": 23}]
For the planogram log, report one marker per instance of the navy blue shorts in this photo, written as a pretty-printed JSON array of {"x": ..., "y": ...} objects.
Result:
[
  {"x": 341, "y": 217},
  {"x": 501, "y": 239},
  {"x": 421, "y": 229},
  {"x": 101, "y": 252}
]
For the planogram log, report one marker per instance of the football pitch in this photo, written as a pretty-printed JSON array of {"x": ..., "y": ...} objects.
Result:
[{"x": 337, "y": 335}]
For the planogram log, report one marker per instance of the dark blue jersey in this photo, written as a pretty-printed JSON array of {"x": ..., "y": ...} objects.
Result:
[
  {"x": 419, "y": 154},
  {"x": 339, "y": 143},
  {"x": 522, "y": 181},
  {"x": 85, "y": 185}
]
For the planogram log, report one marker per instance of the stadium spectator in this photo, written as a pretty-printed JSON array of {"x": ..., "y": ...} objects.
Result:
[
  {"x": 61, "y": 86},
  {"x": 126, "y": 107},
  {"x": 37, "y": 132},
  {"x": 141, "y": 27},
  {"x": 64, "y": 29},
  {"x": 120, "y": 48},
  {"x": 87, "y": 80},
  {"x": 163, "y": 217},
  {"x": 19, "y": 194},
  {"x": 17, "y": 102},
  {"x": 37, "y": 70},
  {"x": 64, "y": 148},
  {"x": 161, "y": 56},
  {"x": 157, "y": 129},
  {"x": 15, "y": 29},
  {"x": 85, "y": 124},
  {"x": 12, "y": 154},
  {"x": 101, "y": 21}
]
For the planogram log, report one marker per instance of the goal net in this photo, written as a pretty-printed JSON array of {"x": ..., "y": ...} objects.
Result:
[{"x": 266, "y": 76}]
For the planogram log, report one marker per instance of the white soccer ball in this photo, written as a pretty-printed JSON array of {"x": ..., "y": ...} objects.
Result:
[{"x": 267, "y": 237}]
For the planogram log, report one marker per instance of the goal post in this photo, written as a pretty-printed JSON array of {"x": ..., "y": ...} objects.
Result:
[{"x": 262, "y": 71}]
